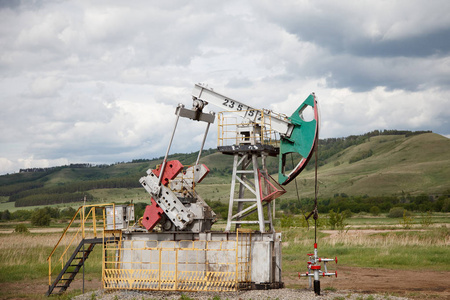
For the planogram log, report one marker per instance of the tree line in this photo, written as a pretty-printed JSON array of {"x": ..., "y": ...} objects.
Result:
[{"x": 356, "y": 204}]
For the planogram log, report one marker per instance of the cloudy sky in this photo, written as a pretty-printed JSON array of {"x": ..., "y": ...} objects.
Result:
[{"x": 98, "y": 81}]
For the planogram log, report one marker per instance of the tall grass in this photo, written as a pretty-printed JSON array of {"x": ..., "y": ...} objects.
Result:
[
  {"x": 394, "y": 250},
  {"x": 24, "y": 256}
]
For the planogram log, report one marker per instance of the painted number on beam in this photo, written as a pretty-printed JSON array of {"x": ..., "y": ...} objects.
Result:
[{"x": 231, "y": 104}]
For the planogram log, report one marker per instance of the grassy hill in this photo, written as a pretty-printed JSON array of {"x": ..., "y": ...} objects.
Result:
[
  {"x": 398, "y": 164},
  {"x": 371, "y": 164}
]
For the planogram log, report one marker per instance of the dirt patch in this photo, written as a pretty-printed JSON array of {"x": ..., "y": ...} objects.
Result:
[
  {"x": 411, "y": 284},
  {"x": 32, "y": 289}
]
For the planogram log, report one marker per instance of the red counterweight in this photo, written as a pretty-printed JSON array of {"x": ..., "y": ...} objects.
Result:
[{"x": 153, "y": 213}]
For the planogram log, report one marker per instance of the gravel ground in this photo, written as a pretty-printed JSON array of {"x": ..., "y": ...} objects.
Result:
[{"x": 281, "y": 294}]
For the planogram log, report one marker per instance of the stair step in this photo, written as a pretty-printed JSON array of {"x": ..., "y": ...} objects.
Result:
[{"x": 64, "y": 283}]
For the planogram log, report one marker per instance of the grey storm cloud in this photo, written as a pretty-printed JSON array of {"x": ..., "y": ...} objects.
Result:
[
  {"x": 98, "y": 82},
  {"x": 398, "y": 44}
]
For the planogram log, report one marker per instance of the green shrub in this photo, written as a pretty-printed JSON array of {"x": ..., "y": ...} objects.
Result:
[
  {"x": 21, "y": 215},
  {"x": 406, "y": 221},
  {"x": 68, "y": 212},
  {"x": 360, "y": 155},
  {"x": 375, "y": 210},
  {"x": 336, "y": 220},
  {"x": 287, "y": 221},
  {"x": 40, "y": 218},
  {"x": 427, "y": 219},
  {"x": 398, "y": 212},
  {"x": 6, "y": 215},
  {"x": 21, "y": 228},
  {"x": 347, "y": 213},
  {"x": 446, "y": 205}
]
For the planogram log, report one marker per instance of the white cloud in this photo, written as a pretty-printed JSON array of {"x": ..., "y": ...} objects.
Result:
[
  {"x": 99, "y": 81},
  {"x": 46, "y": 86}
]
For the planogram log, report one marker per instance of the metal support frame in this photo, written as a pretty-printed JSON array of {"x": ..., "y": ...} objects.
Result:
[
  {"x": 179, "y": 264},
  {"x": 245, "y": 165}
]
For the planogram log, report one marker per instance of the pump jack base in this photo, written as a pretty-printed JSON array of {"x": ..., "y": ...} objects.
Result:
[{"x": 267, "y": 286}]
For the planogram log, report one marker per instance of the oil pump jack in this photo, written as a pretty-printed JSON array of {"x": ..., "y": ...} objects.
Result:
[
  {"x": 183, "y": 252},
  {"x": 257, "y": 134}
]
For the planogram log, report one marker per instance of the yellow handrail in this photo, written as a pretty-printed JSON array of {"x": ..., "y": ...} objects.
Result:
[
  {"x": 82, "y": 229},
  {"x": 228, "y": 128},
  {"x": 64, "y": 233}
]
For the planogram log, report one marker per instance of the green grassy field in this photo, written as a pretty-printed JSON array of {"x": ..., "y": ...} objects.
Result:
[
  {"x": 399, "y": 164},
  {"x": 389, "y": 245},
  {"x": 410, "y": 250}
]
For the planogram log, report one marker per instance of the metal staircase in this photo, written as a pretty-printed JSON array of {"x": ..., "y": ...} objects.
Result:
[
  {"x": 86, "y": 229},
  {"x": 73, "y": 265}
]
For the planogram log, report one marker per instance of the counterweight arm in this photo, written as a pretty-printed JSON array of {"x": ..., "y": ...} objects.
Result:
[
  {"x": 297, "y": 135},
  {"x": 278, "y": 123}
]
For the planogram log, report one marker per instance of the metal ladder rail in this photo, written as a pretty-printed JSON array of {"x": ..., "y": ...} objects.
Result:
[{"x": 83, "y": 258}]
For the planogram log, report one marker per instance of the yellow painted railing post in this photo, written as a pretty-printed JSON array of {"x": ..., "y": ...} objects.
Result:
[
  {"x": 94, "y": 222},
  {"x": 176, "y": 268},
  {"x": 82, "y": 222},
  {"x": 237, "y": 259},
  {"x": 114, "y": 216},
  {"x": 104, "y": 249},
  {"x": 159, "y": 271},
  {"x": 50, "y": 272}
]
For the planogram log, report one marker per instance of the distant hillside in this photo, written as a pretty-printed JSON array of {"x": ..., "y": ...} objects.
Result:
[
  {"x": 386, "y": 165},
  {"x": 377, "y": 163}
]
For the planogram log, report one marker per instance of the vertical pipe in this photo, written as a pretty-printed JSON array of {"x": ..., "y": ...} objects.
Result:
[
  {"x": 241, "y": 190},
  {"x": 258, "y": 194},
  {"x": 233, "y": 184},
  {"x": 316, "y": 272},
  {"x": 203, "y": 144},
  {"x": 170, "y": 144}
]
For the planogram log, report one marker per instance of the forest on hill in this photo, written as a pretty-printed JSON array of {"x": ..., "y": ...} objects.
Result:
[{"x": 388, "y": 167}]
